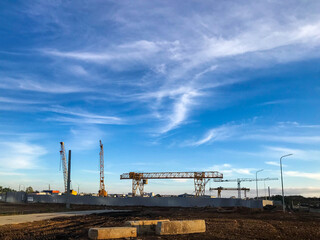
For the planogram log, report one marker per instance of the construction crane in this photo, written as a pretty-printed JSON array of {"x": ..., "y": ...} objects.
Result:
[
  {"x": 64, "y": 165},
  {"x": 102, "y": 191},
  {"x": 230, "y": 189},
  {"x": 239, "y": 180},
  {"x": 200, "y": 179}
]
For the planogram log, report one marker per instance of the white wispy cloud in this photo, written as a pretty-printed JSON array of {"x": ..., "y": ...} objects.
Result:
[
  {"x": 181, "y": 108},
  {"x": 81, "y": 116},
  {"x": 275, "y": 102},
  {"x": 19, "y": 101},
  {"x": 196, "y": 50},
  {"x": 281, "y": 132},
  {"x": 221, "y": 133},
  {"x": 287, "y": 139},
  {"x": 9, "y": 173},
  {"x": 182, "y": 58},
  {"x": 39, "y": 86},
  {"x": 229, "y": 170},
  {"x": 84, "y": 137},
  {"x": 131, "y": 51},
  {"x": 273, "y": 163},
  {"x": 20, "y": 155},
  {"x": 314, "y": 176},
  {"x": 78, "y": 70},
  {"x": 301, "y": 154}
]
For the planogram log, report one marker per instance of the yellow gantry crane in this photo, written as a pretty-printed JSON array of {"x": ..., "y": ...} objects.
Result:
[
  {"x": 102, "y": 191},
  {"x": 200, "y": 179}
]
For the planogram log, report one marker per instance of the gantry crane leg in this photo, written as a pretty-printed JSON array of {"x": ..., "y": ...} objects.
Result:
[
  {"x": 141, "y": 187},
  {"x": 135, "y": 185},
  {"x": 199, "y": 186}
]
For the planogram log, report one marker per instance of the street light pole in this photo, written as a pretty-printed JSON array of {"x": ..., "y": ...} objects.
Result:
[
  {"x": 257, "y": 182},
  {"x": 283, "y": 206}
]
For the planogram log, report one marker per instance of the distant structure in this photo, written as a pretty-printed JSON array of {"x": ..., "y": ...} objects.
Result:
[
  {"x": 239, "y": 180},
  {"x": 219, "y": 189}
]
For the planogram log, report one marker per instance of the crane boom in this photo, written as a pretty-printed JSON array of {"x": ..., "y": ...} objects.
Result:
[
  {"x": 102, "y": 191},
  {"x": 64, "y": 165},
  {"x": 200, "y": 179}
]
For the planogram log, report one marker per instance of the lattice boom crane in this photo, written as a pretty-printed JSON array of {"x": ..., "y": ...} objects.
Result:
[
  {"x": 102, "y": 191},
  {"x": 64, "y": 165},
  {"x": 200, "y": 179}
]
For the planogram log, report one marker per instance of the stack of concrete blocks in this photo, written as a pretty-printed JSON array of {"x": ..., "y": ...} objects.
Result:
[{"x": 133, "y": 229}]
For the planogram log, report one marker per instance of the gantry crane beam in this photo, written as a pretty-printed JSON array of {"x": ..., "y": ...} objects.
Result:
[
  {"x": 200, "y": 179},
  {"x": 102, "y": 191},
  {"x": 219, "y": 189},
  {"x": 239, "y": 180}
]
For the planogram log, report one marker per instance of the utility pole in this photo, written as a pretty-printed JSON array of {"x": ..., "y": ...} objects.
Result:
[
  {"x": 69, "y": 180},
  {"x": 257, "y": 181},
  {"x": 269, "y": 192},
  {"x": 283, "y": 205}
]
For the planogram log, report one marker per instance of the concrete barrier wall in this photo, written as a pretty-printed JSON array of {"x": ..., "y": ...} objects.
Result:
[
  {"x": 136, "y": 201},
  {"x": 13, "y": 197},
  {"x": 150, "y": 202},
  {"x": 2, "y": 197}
]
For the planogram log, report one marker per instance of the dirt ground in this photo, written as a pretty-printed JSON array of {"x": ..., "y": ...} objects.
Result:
[{"x": 239, "y": 224}]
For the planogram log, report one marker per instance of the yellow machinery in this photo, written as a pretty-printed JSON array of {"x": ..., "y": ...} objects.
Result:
[
  {"x": 72, "y": 192},
  {"x": 102, "y": 191}
]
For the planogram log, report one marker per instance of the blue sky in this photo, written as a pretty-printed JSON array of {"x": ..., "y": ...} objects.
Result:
[{"x": 166, "y": 85}]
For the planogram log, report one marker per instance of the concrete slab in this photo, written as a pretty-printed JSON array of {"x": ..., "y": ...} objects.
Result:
[
  {"x": 112, "y": 232},
  {"x": 145, "y": 227},
  {"x": 16, "y": 219},
  {"x": 180, "y": 227}
]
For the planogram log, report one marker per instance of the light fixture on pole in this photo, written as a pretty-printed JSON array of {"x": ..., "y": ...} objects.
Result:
[
  {"x": 283, "y": 206},
  {"x": 257, "y": 182}
]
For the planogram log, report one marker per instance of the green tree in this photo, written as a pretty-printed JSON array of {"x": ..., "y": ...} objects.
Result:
[
  {"x": 5, "y": 189},
  {"x": 29, "y": 190}
]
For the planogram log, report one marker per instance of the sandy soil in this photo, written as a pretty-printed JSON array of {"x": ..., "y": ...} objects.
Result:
[{"x": 242, "y": 224}]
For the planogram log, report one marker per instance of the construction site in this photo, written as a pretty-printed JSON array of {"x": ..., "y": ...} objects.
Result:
[
  {"x": 52, "y": 214},
  {"x": 137, "y": 196}
]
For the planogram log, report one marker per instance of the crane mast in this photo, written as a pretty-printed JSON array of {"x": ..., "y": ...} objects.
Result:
[
  {"x": 102, "y": 191},
  {"x": 64, "y": 165}
]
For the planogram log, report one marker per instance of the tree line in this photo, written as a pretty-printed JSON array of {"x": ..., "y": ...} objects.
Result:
[{"x": 8, "y": 189}]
